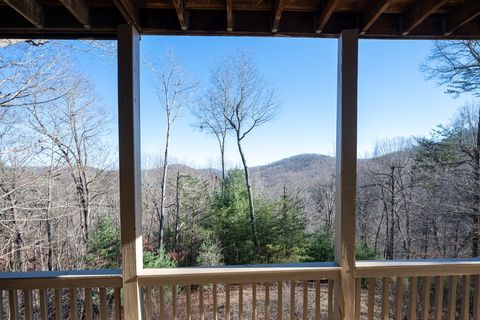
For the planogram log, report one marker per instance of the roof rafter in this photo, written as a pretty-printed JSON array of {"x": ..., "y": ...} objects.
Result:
[
  {"x": 229, "y": 6},
  {"x": 79, "y": 9},
  {"x": 181, "y": 13},
  {"x": 29, "y": 9},
  {"x": 466, "y": 12},
  {"x": 279, "y": 6},
  {"x": 421, "y": 11},
  {"x": 326, "y": 13},
  {"x": 129, "y": 11},
  {"x": 373, "y": 11}
]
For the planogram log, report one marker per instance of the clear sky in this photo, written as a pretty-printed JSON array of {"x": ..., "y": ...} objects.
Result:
[{"x": 394, "y": 97}]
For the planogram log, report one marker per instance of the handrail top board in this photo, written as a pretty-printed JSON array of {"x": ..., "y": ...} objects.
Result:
[
  {"x": 410, "y": 268},
  {"x": 101, "y": 273}
]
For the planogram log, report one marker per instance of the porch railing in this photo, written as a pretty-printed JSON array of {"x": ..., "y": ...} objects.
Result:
[
  {"x": 420, "y": 289},
  {"x": 85, "y": 294},
  {"x": 300, "y": 291}
]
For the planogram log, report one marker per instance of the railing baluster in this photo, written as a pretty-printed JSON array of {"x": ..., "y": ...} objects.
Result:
[
  {"x": 386, "y": 299},
  {"x": 227, "y": 302},
  {"x": 358, "y": 298},
  {"x": 427, "y": 286},
  {"x": 280, "y": 300},
  {"x": 13, "y": 304},
  {"x": 117, "y": 303},
  {"x": 88, "y": 304},
  {"x": 72, "y": 296},
  {"x": 477, "y": 300},
  {"x": 147, "y": 292},
  {"x": 161, "y": 296},
  {"x": 215, "y": 302},
  {"x": 399, "y": 291},
  {"x": 412, "y": 301},
  {"x": 189, "y": 302},
  {"x": 102, "y": 292},
  {"x": 240, "y": 302},
  {"x": 58, "y": 304},
  {"x": 43, "y": 304},
  {"x": 27, "y": 300},
  {"x": 452, "y": 298},
  {"x": 174, "y": 302},
  {"x": 371, "y": 298},
  {"x": 292, "y": 300},
  {"x": 439, "y": 297},
  {"x": 330, "y": 299},
  {"x": 1, "y": 305},
  {"x": 200, "y": 299},
  {"x": 466, "y": 297},
  {"x": 267, "y": 300},
  {"x": 317, "y": 300},
  {"x": 305, "y": 300},
  {"x": 254, "y": 301}
]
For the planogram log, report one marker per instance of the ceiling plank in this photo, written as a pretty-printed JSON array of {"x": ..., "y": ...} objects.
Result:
[
  {"x": 421, "y": 11},
  {"x": 466, "y": 12},
  {"x": 326, "y": 13},
  {"x": 29, "y": 9},
  {"x": 129, "y": 11},
  {"x": 373, "y": 11},
  {"x": 79, "y": 9},
  {"x": 229, "y": 15},
  {"x": 279, "y": 6},
  {"x": 181, "y": 13}
]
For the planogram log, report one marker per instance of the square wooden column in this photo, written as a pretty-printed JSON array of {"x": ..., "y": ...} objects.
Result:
[
  {"x": 130, "y": 167},
  {"x": 346, "y": 173}
]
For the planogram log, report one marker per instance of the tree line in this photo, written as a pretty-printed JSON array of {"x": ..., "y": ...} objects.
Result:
[{"x": 59, "y": 206}]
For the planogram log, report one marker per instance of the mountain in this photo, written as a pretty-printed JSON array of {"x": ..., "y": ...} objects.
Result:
[{"x": 298, "y": 172}]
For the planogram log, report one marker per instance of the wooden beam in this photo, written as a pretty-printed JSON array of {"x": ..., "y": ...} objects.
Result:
[
  {"x": 130, "y": 170},
  {"x": 279, "y": 6},
  {"x": 181, "y": 13},
  {"x": 421, "y": 11},
  {"x": 79, "y": 9},
  {"x": 29, "y": 9},
  {"x": 346, "y": 173},
  {"x": 130, "y": 12},
  {"x": 229, "y": 8},
  {"x": 374, "y": 9},
  {"x": 466, "y": 12},
  {"x": 326, "y": 13}
]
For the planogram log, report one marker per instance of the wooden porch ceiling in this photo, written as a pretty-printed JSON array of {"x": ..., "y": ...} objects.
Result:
[{"x": 428, "y": 19}]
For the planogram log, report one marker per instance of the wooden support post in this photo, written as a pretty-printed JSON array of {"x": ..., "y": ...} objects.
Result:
[
  {"x": 130, "y": 183},
  {"x": 346, "y": 173}
]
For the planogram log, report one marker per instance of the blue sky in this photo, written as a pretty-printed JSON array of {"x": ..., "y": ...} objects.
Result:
[{"x": 394, "y": 97}]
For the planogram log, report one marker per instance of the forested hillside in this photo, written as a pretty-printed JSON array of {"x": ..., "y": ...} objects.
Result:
[{"x": 418, "y": 197}]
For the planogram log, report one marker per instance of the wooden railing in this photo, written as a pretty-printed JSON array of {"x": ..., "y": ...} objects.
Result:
[
  {"x": 425, "y": 289},
  {"x": 297, "y": 291},
  {"x": 90, "y": 294},
  {"x": 422, "y": 289}
]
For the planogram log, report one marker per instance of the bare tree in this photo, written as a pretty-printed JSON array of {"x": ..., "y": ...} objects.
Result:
[
  {"x": 247, "y": 102},
  {"x": 175, "y": 89},
  {"x": 210, "y": 119},
  {"x": 456, "y": 65},
  {"x": 73, "y": 127}
]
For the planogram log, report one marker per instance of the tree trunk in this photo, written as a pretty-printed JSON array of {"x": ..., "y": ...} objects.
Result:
[
  {"x": 164, "y": 187},
  {"x": 177, "y": 213},
  {"x": 392, "y": 214},
  {"x": 476, "y": 204},
  {"x": 48, "y": 224},
  {"x": 250, "y": 196}
]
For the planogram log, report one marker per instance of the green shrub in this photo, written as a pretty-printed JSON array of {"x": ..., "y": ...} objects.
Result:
[
  {"x": 104, "y": 244},
  {"x": 157, "y": 259}
]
